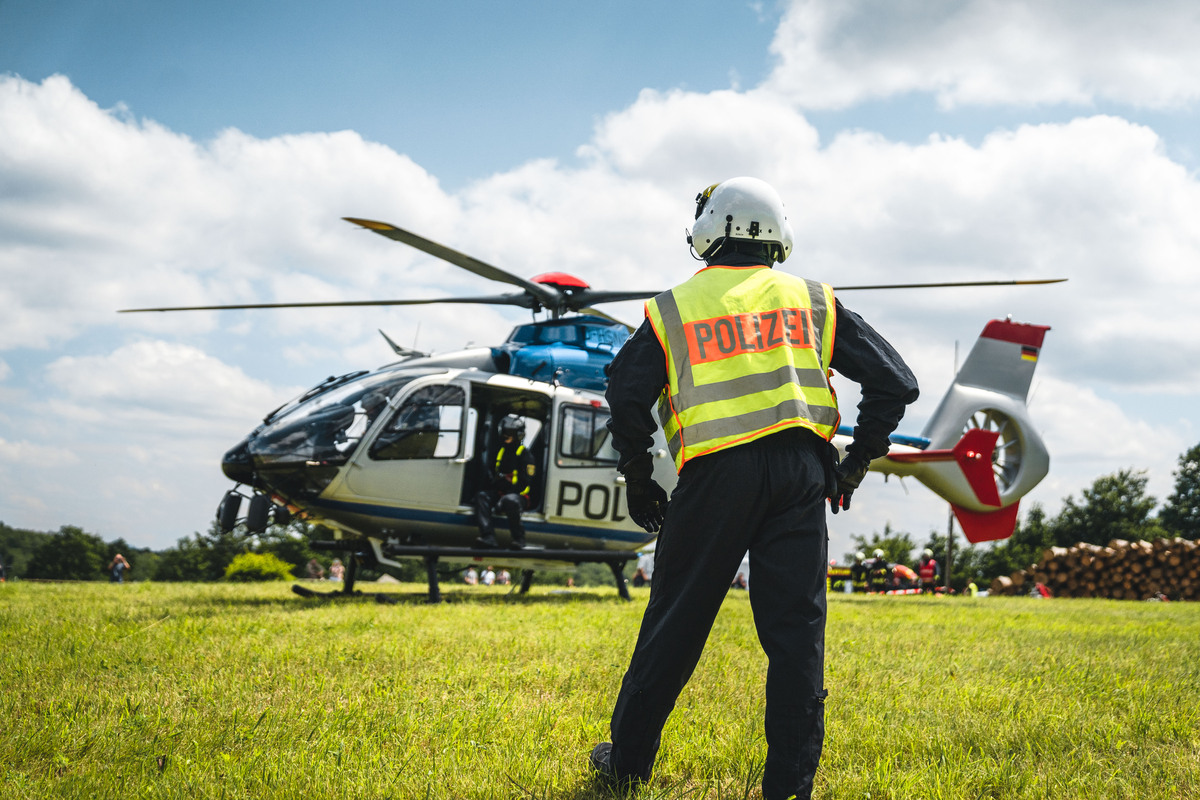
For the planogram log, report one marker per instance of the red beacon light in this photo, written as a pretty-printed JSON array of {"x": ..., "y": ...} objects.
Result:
[{"x": 560, "y": 280}]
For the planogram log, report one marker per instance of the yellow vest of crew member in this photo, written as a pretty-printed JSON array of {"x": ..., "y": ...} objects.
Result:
[{"x": 748, "y": 352}]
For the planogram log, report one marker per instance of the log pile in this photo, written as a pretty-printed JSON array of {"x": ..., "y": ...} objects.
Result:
[{"x": 1162, "y": 569}]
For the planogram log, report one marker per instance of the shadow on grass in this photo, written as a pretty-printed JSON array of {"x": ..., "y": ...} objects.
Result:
[{"x": 309, "y": 598}]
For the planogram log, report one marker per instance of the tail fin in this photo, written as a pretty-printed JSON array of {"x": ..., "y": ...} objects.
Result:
[
  {"x": 999, "y": 366},
  {"x": 983, "y": 453},
  {"x": 986, "y": 526}
]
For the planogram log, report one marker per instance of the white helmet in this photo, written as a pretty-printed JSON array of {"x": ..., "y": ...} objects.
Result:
[
  {"x": 878, "y": 553},
  {"x": 927, "y": 553},
  {"x": 740, "y": 208}
]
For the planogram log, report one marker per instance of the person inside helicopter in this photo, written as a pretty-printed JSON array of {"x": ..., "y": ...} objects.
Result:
[{"x": 512, "y": 472}]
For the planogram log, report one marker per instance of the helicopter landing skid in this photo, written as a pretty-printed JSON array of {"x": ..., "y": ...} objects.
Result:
[
  {"x": 617, "y": 567},
  {"x": 431, "y": 554}
]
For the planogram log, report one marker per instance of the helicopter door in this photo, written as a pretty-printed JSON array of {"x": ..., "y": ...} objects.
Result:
[
  {"x": 417, "y": 457},
  {"x": 584, "y": 487}
]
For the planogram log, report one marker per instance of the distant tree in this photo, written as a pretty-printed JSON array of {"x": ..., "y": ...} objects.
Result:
[
  {"x": 189, "y": 560},
  {"x": 1021, "y": 549},
  {"x": 967, "y": 561},
  {"x": 17, "y": 547},
  {"x": 70, "y": 554},
  {"x": 293, "y": 543},
  {"x": 147, "y": 565},
  {"x": 897, "y": 547},
  {"x": 1115, "y": 507},
  {"x": 206, "y": 556},
  {"x": 1180, "y": 516}
]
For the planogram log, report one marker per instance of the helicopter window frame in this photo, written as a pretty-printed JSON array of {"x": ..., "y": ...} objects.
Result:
[
  {"x": 583, "y": 437},
  {"x": 328, "y": 426},
  {"x": 413, "y": 432}
]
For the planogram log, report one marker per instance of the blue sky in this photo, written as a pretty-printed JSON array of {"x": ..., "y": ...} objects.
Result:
[
  {"x": 465, "y": 88},
  {"x": 169, "y": 153}
]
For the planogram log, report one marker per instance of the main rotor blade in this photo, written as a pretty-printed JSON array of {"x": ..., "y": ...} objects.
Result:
[
  {"x": 590, "y": 296},
  {"x": 950, "y": 284},
  {"x": 522, "y": 300},
  {"x": 549, "y": 296}
]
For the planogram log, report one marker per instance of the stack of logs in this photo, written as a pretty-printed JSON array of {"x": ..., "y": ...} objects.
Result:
[{"x": 1163, "y": 569}]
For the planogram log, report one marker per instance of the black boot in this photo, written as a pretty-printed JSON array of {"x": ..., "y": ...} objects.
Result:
[
  {"x": 601, "y": 762},
  {"x": 488, "y": 540}
]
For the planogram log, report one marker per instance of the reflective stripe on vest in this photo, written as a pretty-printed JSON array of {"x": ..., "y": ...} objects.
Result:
[
  {"x": 748, "y": 352},
  {"x": 512, "y": 476}
]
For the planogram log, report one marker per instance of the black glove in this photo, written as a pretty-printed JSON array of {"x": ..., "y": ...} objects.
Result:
[
  {"x": 647, "y": 503},
  {"x": 849, "y": 474}
]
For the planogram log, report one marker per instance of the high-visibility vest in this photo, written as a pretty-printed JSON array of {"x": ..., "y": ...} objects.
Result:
[
  {"x": 928, "y": 570},
  {"x": 748, "y": 352},
  {"x": 514, "y": 476}
]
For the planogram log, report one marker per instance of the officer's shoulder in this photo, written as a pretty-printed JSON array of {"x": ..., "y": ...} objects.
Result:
[{"x": 780, "y": 275}]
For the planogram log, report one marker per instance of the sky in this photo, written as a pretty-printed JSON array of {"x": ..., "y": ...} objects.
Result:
[{"x": 156, "y": 154}]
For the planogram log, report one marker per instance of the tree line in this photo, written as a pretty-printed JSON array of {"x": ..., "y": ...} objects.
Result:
[
  {"x": 74, "y": 554},
  {"x": 1115, "y": 506}
]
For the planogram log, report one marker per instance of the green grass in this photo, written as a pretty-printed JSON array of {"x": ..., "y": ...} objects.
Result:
[{"x": 157, "y": 690}]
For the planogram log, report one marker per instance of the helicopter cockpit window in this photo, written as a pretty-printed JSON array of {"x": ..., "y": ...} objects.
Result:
[
  {"x": 326, "y": 427},
  {"x": 605, "y": 338},
  {"x": 584, "y": 440},
  {"x": 428, "y": 424}
]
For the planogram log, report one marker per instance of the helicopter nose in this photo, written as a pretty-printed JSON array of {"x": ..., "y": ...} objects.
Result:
[{"x": 237, "y": 464}]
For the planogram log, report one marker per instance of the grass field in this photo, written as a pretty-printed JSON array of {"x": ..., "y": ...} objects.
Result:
[{"x": 161, "y": 690}]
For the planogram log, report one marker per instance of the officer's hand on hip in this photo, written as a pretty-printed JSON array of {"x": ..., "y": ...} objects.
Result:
[
  {"x": 647, "y": 503},
  {"x": 849, "y": 474}
]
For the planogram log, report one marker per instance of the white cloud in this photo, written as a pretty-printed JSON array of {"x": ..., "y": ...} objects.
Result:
[
  {"x": 30, "y": 455},
  {"x": 838, "y": 53},
  {"x": 159, "y": 384},
  {"x": 99, "y": 211}
]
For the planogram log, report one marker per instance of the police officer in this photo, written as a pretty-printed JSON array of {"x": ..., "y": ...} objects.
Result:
[
  {"x": 858, "y": 571},
  {"x": 928, "y": 571},
  {"x": 879, "y": 572},
  {"x": 737, "y": 360},
  {"x": 512, "y": 481}
]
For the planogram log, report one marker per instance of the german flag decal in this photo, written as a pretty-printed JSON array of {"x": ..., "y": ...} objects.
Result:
[{"x": 1028, "y": 353}]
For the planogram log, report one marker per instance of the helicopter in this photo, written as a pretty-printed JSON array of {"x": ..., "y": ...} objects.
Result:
[{"x": 391, "y": 458}]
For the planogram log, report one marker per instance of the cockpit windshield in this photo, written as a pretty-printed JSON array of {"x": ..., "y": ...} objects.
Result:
[
  {"x": 591, "y": 333},
  {"x": 327, "y": 426}
]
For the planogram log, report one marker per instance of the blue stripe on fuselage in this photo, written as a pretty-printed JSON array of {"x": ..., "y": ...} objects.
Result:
[
  {"x": 919, "y": 442},
  {"x": 447, "y": 518}
]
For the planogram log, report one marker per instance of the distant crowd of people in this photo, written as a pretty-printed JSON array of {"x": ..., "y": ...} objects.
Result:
[
  {"x": 315, "y": 570},
  {"x": 878, "y": 575},
  {"x": 487, "y": 577}
]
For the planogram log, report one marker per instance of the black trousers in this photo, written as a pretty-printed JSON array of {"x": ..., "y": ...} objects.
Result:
[
  {"x": 510, "y": 504},
  {"x": 767, "y": 497}
]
